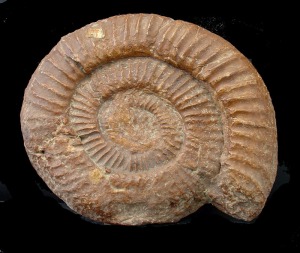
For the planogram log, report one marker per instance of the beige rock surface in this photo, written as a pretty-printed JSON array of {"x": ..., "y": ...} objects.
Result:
[{"x": 140, "y": 119}]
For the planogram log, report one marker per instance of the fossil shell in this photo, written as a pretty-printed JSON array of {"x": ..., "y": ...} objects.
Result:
[{"x": 140, "y": 119}]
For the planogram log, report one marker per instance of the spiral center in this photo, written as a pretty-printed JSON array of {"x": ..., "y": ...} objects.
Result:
[{"x": 128, "y": 125}]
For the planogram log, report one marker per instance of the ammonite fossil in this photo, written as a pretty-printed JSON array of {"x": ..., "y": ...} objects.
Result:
[{"x": 140, "y": 118}]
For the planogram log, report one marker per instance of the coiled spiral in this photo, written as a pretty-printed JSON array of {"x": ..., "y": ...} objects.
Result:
[{"x": 140, "y": 119}]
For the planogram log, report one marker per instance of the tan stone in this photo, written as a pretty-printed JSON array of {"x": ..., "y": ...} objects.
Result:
[{"x": 141, "y": 119}]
